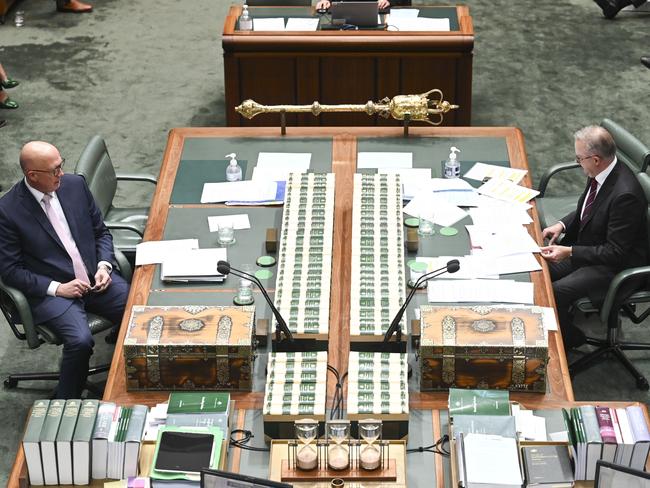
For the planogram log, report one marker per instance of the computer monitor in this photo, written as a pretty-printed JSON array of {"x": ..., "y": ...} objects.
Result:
[
  {"x": 213, "y": 478},
  {"x": 609, "y": 475},
  {"x": 362, "y": 14}
]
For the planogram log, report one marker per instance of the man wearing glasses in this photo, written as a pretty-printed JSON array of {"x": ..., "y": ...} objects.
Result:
[
  {"x": 55, "y": 248},
  {"x": 604, "y": 235}
]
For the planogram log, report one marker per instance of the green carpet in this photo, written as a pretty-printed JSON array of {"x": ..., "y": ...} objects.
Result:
[{"x": 132, "y": 70}]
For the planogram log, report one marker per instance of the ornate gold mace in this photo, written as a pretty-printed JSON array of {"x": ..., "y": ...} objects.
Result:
[{"x": 401, "y": 107}]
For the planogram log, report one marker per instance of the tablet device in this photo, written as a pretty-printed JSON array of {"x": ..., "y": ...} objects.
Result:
[
  {"x": 609, "y": 475},
  {"x": 184, "y": 452}
]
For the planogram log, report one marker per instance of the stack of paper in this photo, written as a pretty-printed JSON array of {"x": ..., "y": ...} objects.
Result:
[
  {"x": 273, "y": 166},
  {"x": 198, "y": 265},
  {"x": 259, "y": 192},
  {"x": 507, "y": 291},
  {"x": 155, "y": 252}
]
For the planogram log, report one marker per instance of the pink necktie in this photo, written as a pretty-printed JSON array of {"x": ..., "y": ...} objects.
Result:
[
  {"x": 593, "y": 187},
  {"x": 77, "y": 263}
]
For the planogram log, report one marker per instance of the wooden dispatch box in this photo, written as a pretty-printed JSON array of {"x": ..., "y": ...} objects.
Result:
[
  {"x": 484, "y": 347},
  {"x": 190, "y": 348}
]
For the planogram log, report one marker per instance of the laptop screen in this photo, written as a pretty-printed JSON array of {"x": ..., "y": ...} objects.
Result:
[{"x": 362, "y": 14}]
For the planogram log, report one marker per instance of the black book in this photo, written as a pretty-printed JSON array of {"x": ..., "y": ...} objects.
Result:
[{"x": 547, "y": 465}]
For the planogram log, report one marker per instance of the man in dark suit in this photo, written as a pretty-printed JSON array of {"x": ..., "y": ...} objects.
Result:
[
  {"x": 55, "y": 248},
  {"x": 382, "y": 4},
  {"x": 604, "y": 235}
]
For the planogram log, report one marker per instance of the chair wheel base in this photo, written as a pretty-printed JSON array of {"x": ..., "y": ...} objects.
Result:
[
  {"x": 10, "y": 383},
  {"x": 642, "y": 384}
]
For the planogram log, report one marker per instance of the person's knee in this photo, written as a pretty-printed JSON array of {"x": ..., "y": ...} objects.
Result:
[{"x": 82, "y": 342}]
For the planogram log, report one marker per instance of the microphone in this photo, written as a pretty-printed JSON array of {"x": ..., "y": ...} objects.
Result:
[
  {"x": 224, "y": 268},
  {"x": 451, "y": 267}
]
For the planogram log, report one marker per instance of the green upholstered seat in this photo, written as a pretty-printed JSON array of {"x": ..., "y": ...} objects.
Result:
[
  {"x": 18, "y": 314},
  {"x": 619, "y": 301},
  {"x": 629, "y": 150},
  {"x": 126, "y": 224}
]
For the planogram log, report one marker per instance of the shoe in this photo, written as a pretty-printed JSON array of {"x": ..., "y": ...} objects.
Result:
[
  {"x": 9, "y": 83},
  {"x": 573, "y": 338},
  {"x": 9, "y": 103},
  {"x": 611, "y": 7},
  {"x": 645, "y": 61},
  {"x": 74, "y": 6},
  {"x": 2, "y": 124}
]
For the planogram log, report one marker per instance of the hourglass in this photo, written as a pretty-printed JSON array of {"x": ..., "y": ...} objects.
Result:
[
  {"x": 338, "y": 449},
  {"x": 370, "y": 449},
  {"x": 306, "y": 453}
]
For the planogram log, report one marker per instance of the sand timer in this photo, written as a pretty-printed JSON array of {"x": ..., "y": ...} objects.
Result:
[
  {"x": 306, "y": 453},
  {"x": 338, "y": 448},
  {"x": 370, "y": 448}
]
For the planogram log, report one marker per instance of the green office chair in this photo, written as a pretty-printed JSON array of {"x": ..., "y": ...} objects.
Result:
[
  {"x": 18, "y": 314},
  {"x": 126, "y": 224},
  {"x": 620, "y": 301},
  {"x": 628, "y": 149}
]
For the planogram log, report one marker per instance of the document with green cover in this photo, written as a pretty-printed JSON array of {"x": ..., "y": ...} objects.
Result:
[{"x": 478, "y": 402}]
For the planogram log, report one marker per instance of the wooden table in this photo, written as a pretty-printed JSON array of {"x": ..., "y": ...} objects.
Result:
[
  {"x": 344, "y": 143},
  {"x": 337, "y": 67}
]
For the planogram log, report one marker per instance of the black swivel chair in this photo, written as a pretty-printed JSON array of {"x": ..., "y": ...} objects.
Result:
[
  {"x": 629, "y": 150},
  {"x": 619, "y": 302},
  {"x": 18, "y": 314},
  {"x": 126, "y": 224}
]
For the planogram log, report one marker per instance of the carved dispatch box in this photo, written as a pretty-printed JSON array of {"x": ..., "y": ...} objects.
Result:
[
  {"x": 483, "y": 347},
  {"x": 189, "y": 348}
]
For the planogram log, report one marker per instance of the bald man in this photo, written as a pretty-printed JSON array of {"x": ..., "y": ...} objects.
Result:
[
  {"x": 55, "y": 248},
  {"x": 605, "y": 234}
]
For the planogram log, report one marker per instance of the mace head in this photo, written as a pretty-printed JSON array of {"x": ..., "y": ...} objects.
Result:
[{"x": 249, "y": 108}]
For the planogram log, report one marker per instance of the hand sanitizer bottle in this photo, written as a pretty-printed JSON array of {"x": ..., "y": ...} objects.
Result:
[
  {"x": 452, "y": 166},
  {"x": 245, "y": 20},
  {"x": 233, "y": 170}
]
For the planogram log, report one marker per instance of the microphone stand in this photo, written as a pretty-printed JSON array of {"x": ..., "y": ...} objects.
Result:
[
  {"x": 281, "y": 327},
  {"x": 395, "y": 328}
]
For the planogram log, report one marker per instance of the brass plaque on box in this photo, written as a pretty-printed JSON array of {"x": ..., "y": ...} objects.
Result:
[
  {"x": 189, "y": 347},
  {"x": 483, "y": 347}
]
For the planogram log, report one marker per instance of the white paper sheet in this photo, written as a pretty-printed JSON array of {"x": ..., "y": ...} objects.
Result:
[
  {"x": 424, "y": 24},
  {"x": 515, "y": 263},
  {"x": 301, "y": 24},
  {"x": 403, "y": 13},
  {"x": 481, "y": 170},
  {"x": 271, "y": 24},
  {"x": 245, "y": 191},
  {"x": 494, "y": 216},
  {"x": 435, "y": 209},
  {"x": 384, "y": 160},
  {"x": 292, "y": 162},
  {"x": 507, "y": 191},
  {"x": 471, "y": 267},
  {"x": 154, "y": 252},
  {"x": 502, "y": 241},
  {"x": 507, "y": 291},
  {"x": 492, "y": 459},
  {"x": 238, "y": 221},
  {"x": 530, "y": 427},
  {"x": 195, "y": 263}
]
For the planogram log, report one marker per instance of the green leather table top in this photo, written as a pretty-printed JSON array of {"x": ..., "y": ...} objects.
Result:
[
  {"x": 307, "y": 12},
  {"x": 187, "y": 223}
]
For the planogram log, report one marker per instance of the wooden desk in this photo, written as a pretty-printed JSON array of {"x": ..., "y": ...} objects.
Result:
[
  {"x": 344, "y": 144},
  {"x": 345, "y": 67}
]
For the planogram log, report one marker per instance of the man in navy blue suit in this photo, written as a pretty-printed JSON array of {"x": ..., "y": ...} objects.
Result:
[{"x": 55, "y": 248}]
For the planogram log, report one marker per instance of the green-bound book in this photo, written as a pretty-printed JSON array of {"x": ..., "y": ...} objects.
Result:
[
  {"x": 64, "y": 441},
  {"x": 478, "y": 402},
  {"x": 48, "y": 441},
  {"x": 133, "y": 439},
  {"x": 115, "y": 460},
  {"x": 31, "y": 439},
  {"x": 198, "y": 402},
  {"x": 83, "y": 434}
]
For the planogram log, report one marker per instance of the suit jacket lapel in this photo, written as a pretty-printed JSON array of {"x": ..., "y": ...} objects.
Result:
[
  {"x": 35, "y": 209},
  {"x": 602, "y": 195}
]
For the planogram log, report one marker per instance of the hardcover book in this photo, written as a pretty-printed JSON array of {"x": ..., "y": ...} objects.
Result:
[
  {"x": 64, "y": 441},
  {"x": 31, "y": 441},
  {"x": 81, "y": 439},
  {"x": 48, "y": 441},
  {"x": 547, "y": 466}
]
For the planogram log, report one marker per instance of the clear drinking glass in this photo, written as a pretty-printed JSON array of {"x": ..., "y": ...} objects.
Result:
[
  {"x": 226, "y": 234},
  {"x": 425, "y": 226},
  {"x": 245, "y": 289},
  {"x": 19, "y": 18}
]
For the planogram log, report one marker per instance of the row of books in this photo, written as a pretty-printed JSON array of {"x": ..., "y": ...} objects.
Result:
[
  {"x": 68, "y": 440},
  {"x": 616, "y": 435},
  {"x": 547, "y": 447}
]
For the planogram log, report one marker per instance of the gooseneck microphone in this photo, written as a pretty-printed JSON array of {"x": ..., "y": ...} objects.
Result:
[
  {"x": 224, "y": 268},
  {"x": 451, "y": 267}
]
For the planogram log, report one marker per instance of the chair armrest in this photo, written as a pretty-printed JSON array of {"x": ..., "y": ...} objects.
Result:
[
  {"x": 543, "y": 182},
  {"x": 123, "y": 226},
  {"x": 619, "y": 280},
  {"x": 125, "y": 267},
  {"x": 136, "y": 177},
  {"x": 25, "y": 318}
]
